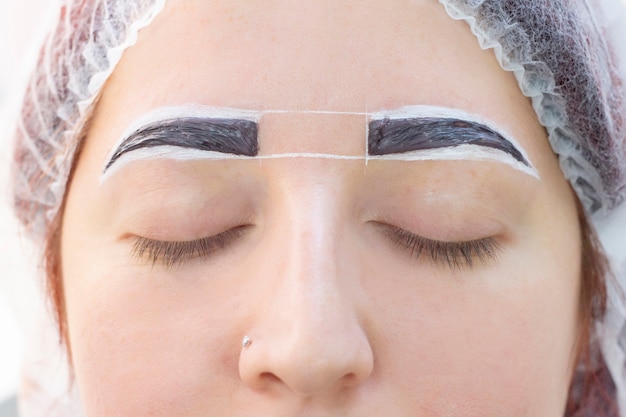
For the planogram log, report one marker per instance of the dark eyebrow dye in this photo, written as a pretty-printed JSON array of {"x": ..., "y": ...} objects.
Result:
[
  {"x": 394, "y": 136},
  {"x": 230, "y": 136}
]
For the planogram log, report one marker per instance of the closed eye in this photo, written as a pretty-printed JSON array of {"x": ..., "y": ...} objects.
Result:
[
  {"x": 451, "y": 254},
  {"x": 176, "y": 253}
]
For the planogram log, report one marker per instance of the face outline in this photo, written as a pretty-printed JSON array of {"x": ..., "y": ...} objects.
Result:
[{"x": 329, "y": 335}]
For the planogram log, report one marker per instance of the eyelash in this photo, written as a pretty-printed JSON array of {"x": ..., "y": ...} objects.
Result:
[
  {"x": 452, "y": 254},
  {"x": 173, "y": 254}
]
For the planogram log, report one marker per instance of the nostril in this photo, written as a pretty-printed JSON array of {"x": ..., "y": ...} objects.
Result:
[
  {"x": 350, "y": 380},
  {"x": 268, "y": 378}
]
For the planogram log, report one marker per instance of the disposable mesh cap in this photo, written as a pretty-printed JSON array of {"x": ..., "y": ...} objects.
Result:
[{"x": 567, "y": 55}]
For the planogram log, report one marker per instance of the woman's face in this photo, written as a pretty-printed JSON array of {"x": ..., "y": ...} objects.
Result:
[{"x": 351, "y": 279}]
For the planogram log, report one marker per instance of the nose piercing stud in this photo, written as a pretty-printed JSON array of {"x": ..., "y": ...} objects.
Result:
[{"x": 246, "y": 342}]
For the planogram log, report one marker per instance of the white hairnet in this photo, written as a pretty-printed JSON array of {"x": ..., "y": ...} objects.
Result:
[
  {"x": 568, "y": 56},
  {"x": 75, "y": 61},
  {"x": 563, "y": 58}
]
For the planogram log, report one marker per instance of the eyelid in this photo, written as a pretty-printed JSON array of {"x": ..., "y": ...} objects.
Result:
[
  {"x": 176, "y": 253},
  {"x": 451, "y": 254}
]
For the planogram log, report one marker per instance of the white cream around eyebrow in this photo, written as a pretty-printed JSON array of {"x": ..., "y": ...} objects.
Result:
[
  {"x": 459, "y": 152},
  {"x": 184, "y": 111},
  {"x": 409, "y": 112},
  {"x": 456, "y": 153}
]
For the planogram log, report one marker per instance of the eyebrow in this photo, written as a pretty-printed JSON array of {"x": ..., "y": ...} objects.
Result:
[
  {"x": 409, "y": 133},
  {"x": 388, "y": 136},
  {"x": 229, "y": 136}
]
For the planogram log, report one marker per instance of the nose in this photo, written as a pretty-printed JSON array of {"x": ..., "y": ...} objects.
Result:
[{"x": 308, "y": 335}]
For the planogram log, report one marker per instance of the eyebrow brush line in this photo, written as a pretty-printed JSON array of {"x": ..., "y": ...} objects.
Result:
[
  {"x": 187, "y": 111},
  {"x": 466, "y": 120},
  {"x": 230, "y": 136},
  {"x": 390, "y": 136},
  {"x": 428, "y": 133}
]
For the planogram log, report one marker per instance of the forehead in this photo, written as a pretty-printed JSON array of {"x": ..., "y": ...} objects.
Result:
[{"x": 335, "y": 55}]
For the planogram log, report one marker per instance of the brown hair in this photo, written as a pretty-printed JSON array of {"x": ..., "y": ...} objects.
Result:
[
  {"x": 52, "y": 240},
  {"x": 592, "y": 391}
]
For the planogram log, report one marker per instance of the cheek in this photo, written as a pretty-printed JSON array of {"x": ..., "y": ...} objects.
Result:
[
  {"x": 143, "y": 345},
  {"x": 489, "y": 341}
]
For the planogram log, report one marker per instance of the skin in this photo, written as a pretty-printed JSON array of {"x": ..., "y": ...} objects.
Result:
[{"x": 343, "y": 321}]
